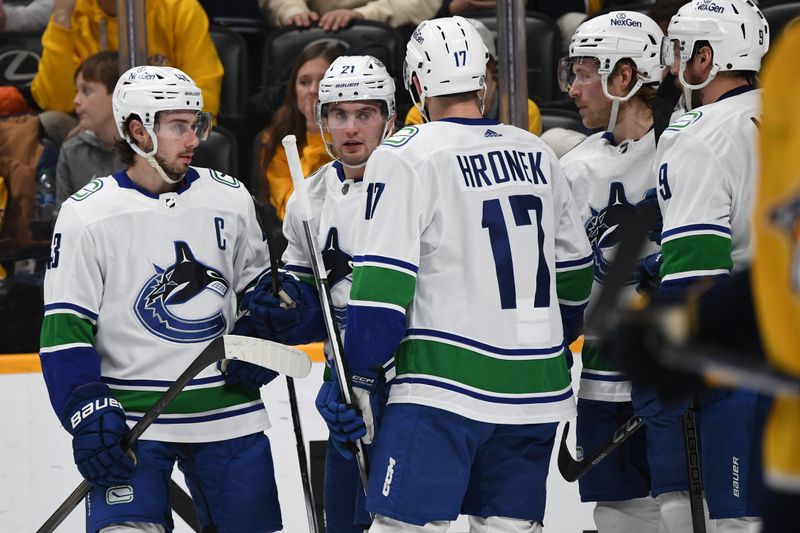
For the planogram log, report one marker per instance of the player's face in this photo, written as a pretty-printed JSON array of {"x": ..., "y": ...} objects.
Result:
[
  {"x": 177, "y": 141},
  {"x": 587, "y": 92},
  {"x": 356, "y": 129},
  {"x": 307, "y": 88},
  {"x": 92, "y": 104}
]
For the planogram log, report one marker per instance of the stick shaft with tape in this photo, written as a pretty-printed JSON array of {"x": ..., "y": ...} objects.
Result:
[{"x": 303, "y": 207}]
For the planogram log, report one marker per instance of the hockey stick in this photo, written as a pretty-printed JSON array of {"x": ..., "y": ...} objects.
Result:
[
  {"x": 691, "y": 443},
  {"x": 300, "y": 442},
  {"x": 321, "y": 278},
  {"x": 572, "y": 469},
  {"x": 183, "y": 505},
  {"x": 605, "y": 315},
  {"x": 283, "y": 359}
]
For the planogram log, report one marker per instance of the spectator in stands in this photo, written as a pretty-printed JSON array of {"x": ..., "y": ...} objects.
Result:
[
  {"x": 491, "y": 99},
  {"x": 296, "y": 116},
  {"x": 333, "y": 15},
  {"x": 177, "y": 36},
  {"x": 24, "y": 15},
  {"x": 91, "y": 153}
]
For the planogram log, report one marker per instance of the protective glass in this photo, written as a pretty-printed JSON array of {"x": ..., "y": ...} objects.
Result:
[
  {"x": 177, "y": 129},
  {"x": 364, "y": 117},
  {"x": 670, "y": 51},
  {"x": 577, "y": 71}
]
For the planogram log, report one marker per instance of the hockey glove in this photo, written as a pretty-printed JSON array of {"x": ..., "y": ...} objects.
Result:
[
  {"x": 655, "y": 410},
  {"x": 651, "y": 199},
  {"x": 272, "y": 319},
  {"x": 648, "y": 273},
  {"x": 96, "y": 422},
  {"x": 247, "y": 374},
  {"x": 344, "y": 424}
]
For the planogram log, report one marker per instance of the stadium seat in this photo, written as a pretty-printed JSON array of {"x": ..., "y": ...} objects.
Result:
[
  {"x": 779, "y": 16},
  {"x": 283, "y": 46},
  {"x": 20, "y": 53},
  {"x": 232, "y": 52},
  {"x": 642, "y": 6},
  {"x": 219, "y": 152},
  {"x": 561, "y": 118},
  {"x": 543, "y": 51}
]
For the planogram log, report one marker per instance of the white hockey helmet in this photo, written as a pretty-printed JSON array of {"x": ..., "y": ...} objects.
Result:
[
  {"x": 144, "y": 91},
  {"x": 448, "y": 56},
  {"x": 351, "y": 79},
  {"x": 610, "y": 38},
  {"x": 736, "y": 30}
]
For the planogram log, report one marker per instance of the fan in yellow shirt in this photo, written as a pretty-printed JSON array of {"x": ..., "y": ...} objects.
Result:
[
  {"x": 491, "y": 100},
  {"x": 296, "y": 117},
  {"x": 177, "y": 36}
]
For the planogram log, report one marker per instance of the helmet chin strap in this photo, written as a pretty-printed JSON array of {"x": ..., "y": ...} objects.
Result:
[
  {"x": 688, "y": 87},
  {"x": 151, "y": 158},
  {"x": 615, "y": 100}
]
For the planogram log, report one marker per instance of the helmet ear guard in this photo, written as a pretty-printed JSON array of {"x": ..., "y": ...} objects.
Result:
[{"x": 147, "y": 90}]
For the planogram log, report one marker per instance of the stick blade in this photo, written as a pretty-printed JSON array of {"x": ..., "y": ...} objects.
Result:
[
  {"x": 286, "y": 360},
  {"x": 566, "y": 464}
]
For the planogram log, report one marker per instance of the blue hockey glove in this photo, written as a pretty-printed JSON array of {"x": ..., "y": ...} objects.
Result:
[
  {"x": 344, "y": 424},
  {"x": 648, "y": 273},
  {"x": 96, "y": 422},
  {"x": 655, "y": 410},
  {"x": 651, "y": 198},
  {"x": 247, "y": 374},
  {"x": 270, "y": 317}
]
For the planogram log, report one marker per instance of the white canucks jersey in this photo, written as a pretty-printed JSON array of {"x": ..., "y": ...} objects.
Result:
[
  {"x": 336, "y": 205},
  {"x": 468, "y": 229},
  {"x": 607, "y": 182},
  {"x": 146, "y": 282},
  {"x": 707, "y": 164}
]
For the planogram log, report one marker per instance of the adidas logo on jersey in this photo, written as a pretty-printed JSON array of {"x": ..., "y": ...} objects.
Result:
[{"x": 490, "y": 133}]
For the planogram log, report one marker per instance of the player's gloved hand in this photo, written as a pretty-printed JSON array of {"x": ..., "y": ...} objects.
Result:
[
  {"x": 650, "y": 200},
  {"x": 371, "y": 395},
  {"x": 655, "y": 410},
  {"x": 272, "y": 318},
  {"x": 344, "y": 423},
  {"x": 247, "y": 374},
  {"x": 96, "y": 422},
  {"x": 648, "y": 273}
]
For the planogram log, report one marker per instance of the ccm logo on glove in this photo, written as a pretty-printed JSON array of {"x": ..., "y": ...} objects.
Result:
[{"x": 89, "y": 408}]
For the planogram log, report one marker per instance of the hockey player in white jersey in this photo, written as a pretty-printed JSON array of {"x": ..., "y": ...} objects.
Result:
[
  {"x": 145, "y": 269},
  {"x": 707, "y": 168},
  {"x": 611, "y": 73},
  {"x": 467, "y": 247},
  {"x": 355, "y": 112}
]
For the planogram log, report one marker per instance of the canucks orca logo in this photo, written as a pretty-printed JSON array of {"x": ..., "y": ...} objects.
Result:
[
  {"x": 159, "y": 304},
  {"x": 339, "y": 266},
  {"x": 786, "y": 217},
  {"x": 603, "y": 229}
]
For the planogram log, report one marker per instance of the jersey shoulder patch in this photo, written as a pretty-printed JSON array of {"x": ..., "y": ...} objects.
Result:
[
  {"x": 401, "y": 137},
  {"x": 224, "y": 179},
  {"x": 685, "y": 120},
  {"x": 87, "y": 190}
]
